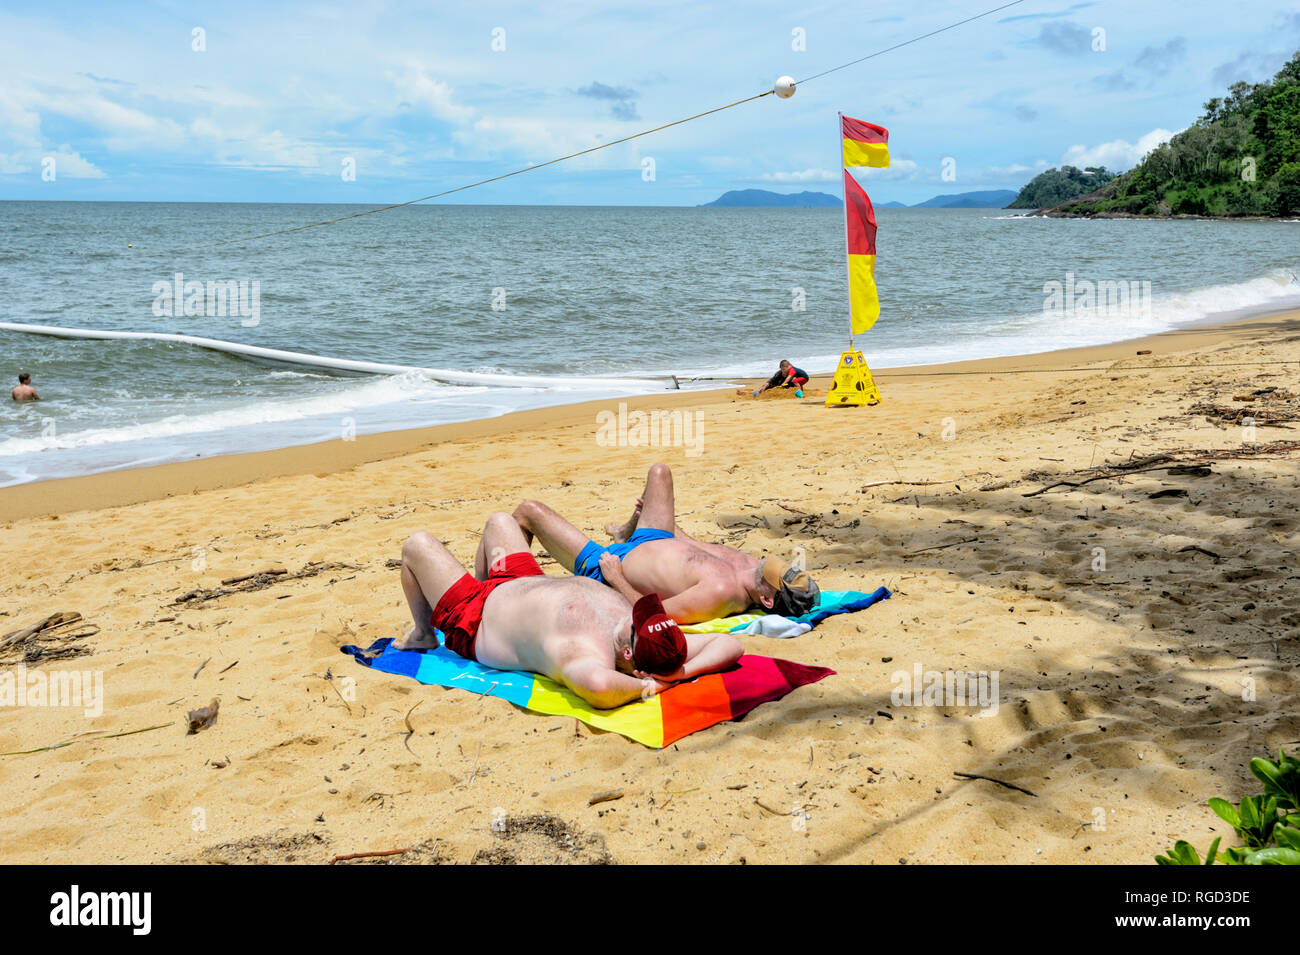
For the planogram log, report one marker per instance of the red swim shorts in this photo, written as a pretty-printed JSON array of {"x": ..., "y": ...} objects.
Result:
[{"x": 460, "y": 611}]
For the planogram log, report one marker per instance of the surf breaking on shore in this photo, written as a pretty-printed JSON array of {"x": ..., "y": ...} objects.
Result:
[{"x": 326, "y": 396}]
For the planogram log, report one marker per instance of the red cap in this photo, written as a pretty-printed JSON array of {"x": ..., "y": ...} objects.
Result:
[{"x": 660, "y": 646}]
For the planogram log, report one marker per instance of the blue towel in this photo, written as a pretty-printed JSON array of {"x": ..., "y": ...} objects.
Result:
[{"x": 841, "y": 601}]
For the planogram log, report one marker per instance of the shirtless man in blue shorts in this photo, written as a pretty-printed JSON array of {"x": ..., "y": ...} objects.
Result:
[{"x": 697, "y": 580}]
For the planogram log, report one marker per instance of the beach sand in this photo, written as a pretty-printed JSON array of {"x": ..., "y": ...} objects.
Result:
[{"x": 1120, "y": 689}]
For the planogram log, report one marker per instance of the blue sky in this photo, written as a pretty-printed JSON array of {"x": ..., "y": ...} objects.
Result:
[{"x": 282, "y": 95}]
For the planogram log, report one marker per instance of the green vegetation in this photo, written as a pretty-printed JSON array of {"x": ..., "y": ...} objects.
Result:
[
  {"x": 1241, "y": 158},
  {"x": 1268, "y": 823},
  {"x": 1055, "y": 186}
]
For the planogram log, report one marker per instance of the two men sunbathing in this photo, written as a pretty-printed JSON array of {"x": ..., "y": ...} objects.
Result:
[{"x": 609, "y": 644}]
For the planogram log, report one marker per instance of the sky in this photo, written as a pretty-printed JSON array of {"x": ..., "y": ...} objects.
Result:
[{"x": 377, "y": 102}]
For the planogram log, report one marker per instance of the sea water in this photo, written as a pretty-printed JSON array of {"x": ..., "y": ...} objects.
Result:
[{"x": 699, "y": 293}]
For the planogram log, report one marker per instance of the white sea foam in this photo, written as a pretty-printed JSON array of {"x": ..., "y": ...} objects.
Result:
[
  {"x": 1042, "y": 331},
  {"x": 367, "y": 392},
  {"x": 374, "y": 404}
]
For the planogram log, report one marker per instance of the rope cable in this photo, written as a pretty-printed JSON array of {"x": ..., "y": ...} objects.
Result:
[{"x": 448, "y": 192}]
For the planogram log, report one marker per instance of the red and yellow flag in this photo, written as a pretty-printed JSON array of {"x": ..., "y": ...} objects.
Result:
[
  {"x": 860, "y": 228},
  {"x": 865, "y": 144}
]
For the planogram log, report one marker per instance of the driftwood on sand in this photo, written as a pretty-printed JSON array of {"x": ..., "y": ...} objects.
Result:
[
  {"x": 52, "y": 638},
  {"x": 259, "y": 580}
]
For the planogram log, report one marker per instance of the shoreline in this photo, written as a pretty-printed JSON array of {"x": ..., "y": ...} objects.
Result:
[{"x": 134, "y": 485}]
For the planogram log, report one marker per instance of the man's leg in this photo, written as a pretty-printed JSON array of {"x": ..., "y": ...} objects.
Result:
[
  {"x": 621, "y": 532},
  {"x": 655, "y": 508},
  {"x": 561, "y": 539},
  {"x": 428, "y": 570},
  {"x": 502, "y": 536}
]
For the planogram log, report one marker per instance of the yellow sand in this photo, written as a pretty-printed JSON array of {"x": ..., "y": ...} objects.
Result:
[{"x": 1121, "y": 690}]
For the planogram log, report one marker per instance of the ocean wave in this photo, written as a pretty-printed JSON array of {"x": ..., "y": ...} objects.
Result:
[
  {"x": 261, "y": 353},
  {"x": 372, "y": 392},
  {"x": 1077, "y": 326}
]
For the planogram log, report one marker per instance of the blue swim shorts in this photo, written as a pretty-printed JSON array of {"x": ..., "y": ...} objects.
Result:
[{"x": 587, "y": 563}]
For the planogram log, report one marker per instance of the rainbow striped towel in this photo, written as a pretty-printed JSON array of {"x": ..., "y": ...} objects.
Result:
[{"x": 658, "y": 722}]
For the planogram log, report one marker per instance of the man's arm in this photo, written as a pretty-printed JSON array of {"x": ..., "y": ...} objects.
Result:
[
  {"x": 603, "y": 687},
  {"x": 706, "y": 653},
  {"x": 611, "y": 568}
]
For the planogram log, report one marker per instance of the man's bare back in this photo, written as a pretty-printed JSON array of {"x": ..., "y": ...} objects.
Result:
[
  {"x": 24, "y": 391},
  {"x": 715, "y": 576}
]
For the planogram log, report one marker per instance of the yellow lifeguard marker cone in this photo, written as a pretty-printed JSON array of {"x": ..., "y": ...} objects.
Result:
[{"x": 853, "y": 385}]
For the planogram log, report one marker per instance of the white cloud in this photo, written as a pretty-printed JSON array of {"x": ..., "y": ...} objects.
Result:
[
  {"x": 898, "y": 169},
  {"x": 416, "y": 87},
  {"x": 1118, "y": 154},
  {"x": 19, "y": 124},
  {"x": 542, "y": 140},
  {"x": 807, "y": 175},
  {"x": 250, "y": 147},
  {"x": 72, "y": 165},
  {"x": 1015, "y": 169}
]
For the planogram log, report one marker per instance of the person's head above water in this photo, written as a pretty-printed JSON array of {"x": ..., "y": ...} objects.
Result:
[{"x": 24, "y": 378}]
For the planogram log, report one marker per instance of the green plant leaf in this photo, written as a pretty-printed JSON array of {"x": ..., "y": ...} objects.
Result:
[
  {"x": 1266, "y": 771},
  {"x": 1212, "y": 851},
  {"x": 1239, "y": 855},
  {"x": 1249, "y": 811},
  {"x": 1225, "y": 811},
  {"x": 1288, "y": 837},
  {"x": 1275, "y": 856},
  {"x": 1181, "y": 854},
  {"x": 1280, "y": 779}
]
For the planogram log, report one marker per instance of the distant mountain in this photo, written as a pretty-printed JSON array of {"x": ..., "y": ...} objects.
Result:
[
  {"x": 995, "y": 199},
  {"x": 820, "y": 200},
  {"x": 761, "y": 197}
]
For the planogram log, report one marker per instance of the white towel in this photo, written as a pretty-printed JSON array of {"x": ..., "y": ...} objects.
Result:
[{"x": 774, "y": 625}]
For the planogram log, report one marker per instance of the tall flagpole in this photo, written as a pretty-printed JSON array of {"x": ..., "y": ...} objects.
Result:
[{"x": 848, "y": 288}]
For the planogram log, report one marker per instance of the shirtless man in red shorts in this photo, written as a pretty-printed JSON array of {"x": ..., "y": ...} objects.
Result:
[{"x": 511, "y": 616}]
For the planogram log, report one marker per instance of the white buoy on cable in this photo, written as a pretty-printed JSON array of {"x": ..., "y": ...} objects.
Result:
[{"x": 784, "y": 87}]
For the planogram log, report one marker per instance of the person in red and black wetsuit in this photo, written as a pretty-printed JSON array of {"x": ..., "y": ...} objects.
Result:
[{"x": 787, "y": 376}]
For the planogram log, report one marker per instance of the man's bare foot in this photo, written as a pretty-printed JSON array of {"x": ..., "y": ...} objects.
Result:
[
  {"x": 621, "y": 532},
  {"x": 417, "y": 639}
]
